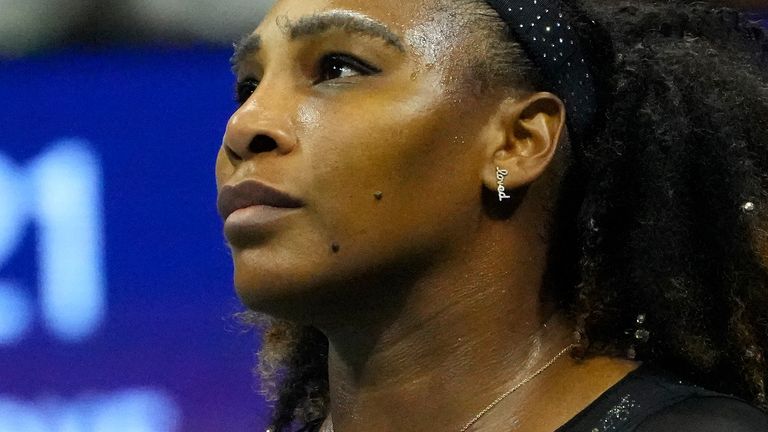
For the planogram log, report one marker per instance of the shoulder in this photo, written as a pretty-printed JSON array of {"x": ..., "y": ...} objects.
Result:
[
  {"x": 651, "y": 400},
  {"x": 706, "y": 413}
]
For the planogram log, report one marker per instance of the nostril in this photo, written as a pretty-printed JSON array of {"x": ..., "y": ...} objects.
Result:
[
  {"x": 262, "y": 143},
  {"x": 232, "y": 154}
]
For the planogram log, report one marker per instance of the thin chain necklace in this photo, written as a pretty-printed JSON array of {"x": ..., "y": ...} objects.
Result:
[
  {"x": 513, "y": 389},
  {"x": 329, "y": 427}
]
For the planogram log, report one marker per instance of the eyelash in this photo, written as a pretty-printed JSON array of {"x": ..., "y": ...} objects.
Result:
[
  {"x": 328, "y": 65},
  {"x": 244, "y": 89}
]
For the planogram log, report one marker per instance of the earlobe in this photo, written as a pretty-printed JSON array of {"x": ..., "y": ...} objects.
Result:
[{"x": 528, "y": 134}]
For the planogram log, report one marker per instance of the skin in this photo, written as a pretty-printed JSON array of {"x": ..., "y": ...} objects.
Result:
[{"x": 431, "y": 302}]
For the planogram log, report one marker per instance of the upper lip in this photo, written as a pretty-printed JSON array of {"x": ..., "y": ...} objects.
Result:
[{"x": 250, "y": 193}]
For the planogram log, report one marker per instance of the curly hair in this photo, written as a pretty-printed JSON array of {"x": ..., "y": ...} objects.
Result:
[{"x": 663, "y": 214}]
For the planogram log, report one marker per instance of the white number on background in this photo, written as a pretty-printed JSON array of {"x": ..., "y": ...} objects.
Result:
[{"x": 60, "y": 191}]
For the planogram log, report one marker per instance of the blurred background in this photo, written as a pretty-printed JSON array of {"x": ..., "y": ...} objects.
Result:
[{"x": 116, "y": 298}]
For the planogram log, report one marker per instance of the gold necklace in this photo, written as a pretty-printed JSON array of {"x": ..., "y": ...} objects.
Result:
[
  {"x": 513, "y": 389},
  {"x": 329, "y": 426}
]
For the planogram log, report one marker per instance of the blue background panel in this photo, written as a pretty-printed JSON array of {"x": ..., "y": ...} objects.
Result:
[{"x": 122, "y": 144}]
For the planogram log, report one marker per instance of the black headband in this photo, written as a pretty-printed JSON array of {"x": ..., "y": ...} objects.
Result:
[{"x": 543, "y": 29}]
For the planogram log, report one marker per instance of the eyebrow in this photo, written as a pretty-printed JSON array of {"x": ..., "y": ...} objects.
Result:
[
  {"x": 314, "y": 25},
  {"x": 245, "y": 47}
]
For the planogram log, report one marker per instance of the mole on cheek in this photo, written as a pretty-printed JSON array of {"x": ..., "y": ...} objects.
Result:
[{"x": 335, "y": 246}]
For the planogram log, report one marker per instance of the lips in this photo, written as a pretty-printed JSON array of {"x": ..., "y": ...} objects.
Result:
[{"x": 253, "y": 193}]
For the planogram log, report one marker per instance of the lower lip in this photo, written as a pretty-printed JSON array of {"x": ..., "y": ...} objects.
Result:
[{"x": 248, "y": 221}]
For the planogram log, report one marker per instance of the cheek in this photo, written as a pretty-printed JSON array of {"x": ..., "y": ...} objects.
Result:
[
  {"x": 407, "y": 151},
  {"x": 382, "y": 136},
  {"x": 223, "y": 169},
  {"x": 362, "y": 151}
]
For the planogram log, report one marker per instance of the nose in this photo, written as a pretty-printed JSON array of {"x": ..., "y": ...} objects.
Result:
[{"x": 253, "y": 130}]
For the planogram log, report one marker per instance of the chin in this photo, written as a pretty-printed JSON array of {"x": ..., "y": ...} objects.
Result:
[
  {"x": 282, "y": 290},
  {"x": 271, "y": 292},
  {"x": 318, "y": 289}
]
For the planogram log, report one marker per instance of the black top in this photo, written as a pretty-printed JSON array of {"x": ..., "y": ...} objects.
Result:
[{"x": 651, "y": 401}]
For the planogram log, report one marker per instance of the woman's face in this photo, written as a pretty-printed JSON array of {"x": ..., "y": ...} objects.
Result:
[{"x": 364, "y": 112}]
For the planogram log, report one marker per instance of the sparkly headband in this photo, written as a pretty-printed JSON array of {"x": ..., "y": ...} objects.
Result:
[{"x": 544, "y": 31}]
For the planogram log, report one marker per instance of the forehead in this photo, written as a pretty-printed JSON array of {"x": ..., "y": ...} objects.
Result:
[
  {"x": 437, "y": 35},
  {"x": 432, "y": 31},
  {"x": 399, "y": 16}
]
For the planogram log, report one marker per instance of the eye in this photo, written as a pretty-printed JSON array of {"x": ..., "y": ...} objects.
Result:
[
  {"x": 244, "y": 89},
  {"x": 336, "y": 66}
]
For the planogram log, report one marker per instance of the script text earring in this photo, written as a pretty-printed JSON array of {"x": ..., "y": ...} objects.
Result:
[{"x": 500, "y": 175}]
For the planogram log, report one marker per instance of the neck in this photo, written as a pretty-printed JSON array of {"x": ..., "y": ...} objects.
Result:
[{"x": 466, "y": 334}]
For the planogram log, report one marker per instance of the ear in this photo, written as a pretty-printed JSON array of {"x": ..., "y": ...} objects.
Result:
[{"x": 522, "y": 140}]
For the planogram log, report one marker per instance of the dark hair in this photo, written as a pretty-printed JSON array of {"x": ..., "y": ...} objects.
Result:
[{"x": 663, "y": 211}]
